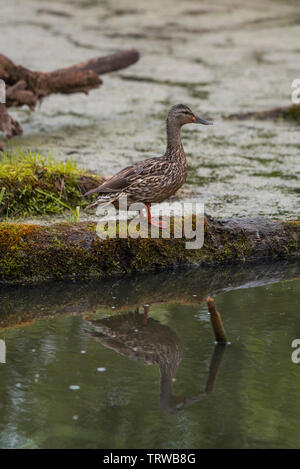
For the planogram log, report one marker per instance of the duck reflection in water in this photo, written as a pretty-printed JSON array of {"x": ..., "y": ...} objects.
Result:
[{"x": 139, "y": 337}]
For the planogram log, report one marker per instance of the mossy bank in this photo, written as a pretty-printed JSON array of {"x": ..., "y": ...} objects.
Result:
[
  {"x": 32, "y": 184},
  {"x": 32, "y": 253}
]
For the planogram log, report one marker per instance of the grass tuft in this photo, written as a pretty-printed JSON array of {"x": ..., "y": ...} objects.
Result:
[{"x": 34, "y": 184}]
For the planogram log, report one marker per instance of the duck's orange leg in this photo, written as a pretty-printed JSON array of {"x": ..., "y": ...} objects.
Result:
[
  {"x": 149, "y": 213},
  {"x": 158, "y": 223}
]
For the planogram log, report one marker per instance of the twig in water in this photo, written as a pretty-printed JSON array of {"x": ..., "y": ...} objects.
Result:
[{"x": 216, "y": 322}]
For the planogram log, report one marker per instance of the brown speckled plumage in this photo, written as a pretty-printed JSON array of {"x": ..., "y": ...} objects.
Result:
[{"x": 154, "y": 179}]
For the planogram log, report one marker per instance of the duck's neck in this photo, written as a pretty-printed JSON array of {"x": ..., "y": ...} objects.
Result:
[{"x": 174, "y": 145}]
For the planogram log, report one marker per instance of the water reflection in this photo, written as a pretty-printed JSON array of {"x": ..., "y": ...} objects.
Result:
[
  {"x": 139, "y": 337},
  {"x": 22, "y": 305},
  {"x": 253, "y": 393}
]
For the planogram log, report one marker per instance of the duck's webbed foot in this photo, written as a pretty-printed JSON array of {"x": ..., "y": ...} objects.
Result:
[
  {"x": 159, "y": 223},
  {"x": 153, "y": 221}
]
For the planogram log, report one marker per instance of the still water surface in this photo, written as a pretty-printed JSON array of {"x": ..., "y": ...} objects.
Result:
[{"x": 93, "y": 372}]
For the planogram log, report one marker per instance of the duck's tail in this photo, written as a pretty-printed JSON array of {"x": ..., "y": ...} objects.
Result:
[{"x": 92, "y": 191}]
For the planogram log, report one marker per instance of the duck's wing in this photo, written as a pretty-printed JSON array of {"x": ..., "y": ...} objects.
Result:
[{"x": 125, "y": 177}]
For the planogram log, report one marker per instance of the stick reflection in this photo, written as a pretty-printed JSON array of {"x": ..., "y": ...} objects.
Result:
[{"x": 2, "y": 351}]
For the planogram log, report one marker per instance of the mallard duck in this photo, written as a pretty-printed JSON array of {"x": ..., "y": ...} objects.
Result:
[
  {"x": 153, "y": 343},
  {"x": 155, "y": 179}
]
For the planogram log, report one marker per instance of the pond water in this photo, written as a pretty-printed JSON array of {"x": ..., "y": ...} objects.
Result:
[
  {"x": 219, "y": 58},
  {"x": 94, "y": 372}
]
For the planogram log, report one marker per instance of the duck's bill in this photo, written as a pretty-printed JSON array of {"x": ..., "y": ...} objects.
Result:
[{"x": 202, "y": 121}]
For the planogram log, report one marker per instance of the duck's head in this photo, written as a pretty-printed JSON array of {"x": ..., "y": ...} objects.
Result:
[{"x": 181, "y": 114}]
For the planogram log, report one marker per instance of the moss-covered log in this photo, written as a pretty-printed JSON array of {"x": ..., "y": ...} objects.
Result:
[
  {"x": 288, "y": 113},
  {"x": 32, "y": 253}
]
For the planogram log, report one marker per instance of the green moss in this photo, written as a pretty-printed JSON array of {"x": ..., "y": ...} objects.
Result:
[
  {"x": 13, "y": 247},
  {"x": 23, "y": 175},
  {"x": 293, "y": 231},
  {"x": 293, "y": 113},
  {"x": 30, "y": 253}
]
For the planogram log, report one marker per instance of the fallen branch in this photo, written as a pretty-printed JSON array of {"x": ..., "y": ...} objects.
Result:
[
  {"x": 27, "y": 87},
  {"x": 288, "y": 113},
  {"x": 9, "y": 126}
]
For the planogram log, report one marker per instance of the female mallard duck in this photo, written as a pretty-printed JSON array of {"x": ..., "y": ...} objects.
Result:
[{"x": 154, "y": 179}]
